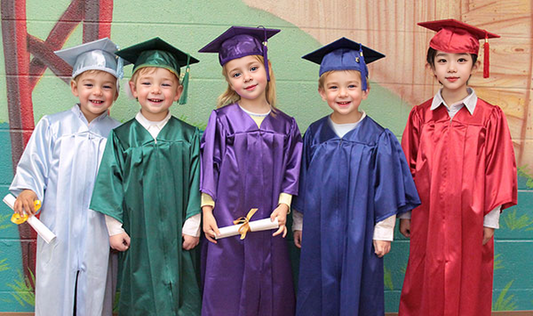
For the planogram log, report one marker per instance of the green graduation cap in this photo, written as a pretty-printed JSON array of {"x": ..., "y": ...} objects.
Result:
[{"x": 158, "y": 53}]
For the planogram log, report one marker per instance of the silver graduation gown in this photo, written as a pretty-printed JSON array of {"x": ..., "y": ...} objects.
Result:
[{"x": 60, "y": 164}]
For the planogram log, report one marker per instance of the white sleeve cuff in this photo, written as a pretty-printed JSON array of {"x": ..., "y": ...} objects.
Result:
[
  {"x": 406, "y": 215},
  {"x": 297, "y": 220},
  {"x": 114, "y": 227},
  {"x": 384, "y": 230},
  {"x": 191, "y": 226},
  {"x": 492, "y": 219}
]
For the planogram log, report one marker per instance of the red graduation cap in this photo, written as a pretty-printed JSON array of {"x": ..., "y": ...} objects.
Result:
[{"x": 457, "y": 37}]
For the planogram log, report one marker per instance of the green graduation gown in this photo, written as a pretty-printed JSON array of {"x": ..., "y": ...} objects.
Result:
[{"x": 152, "y": 187}]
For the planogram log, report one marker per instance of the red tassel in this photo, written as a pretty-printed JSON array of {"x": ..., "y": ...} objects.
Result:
[{"x": 486, "y": 62}]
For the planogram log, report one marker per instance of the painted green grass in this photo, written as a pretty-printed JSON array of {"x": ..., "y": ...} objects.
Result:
[
  {"x": 388, "y": 278},
  {"x": 513, "y": 222},
  {"x": 22, "y": 290},
  {"x": 523, "y": 173},
  {"x": 498, "y": 262},
  {"x": 5, "y": 221},
  {"x": 505, "y": 302}
]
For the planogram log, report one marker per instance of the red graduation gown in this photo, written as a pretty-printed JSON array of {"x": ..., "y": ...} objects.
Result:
[{"x": 463, "y": 168}]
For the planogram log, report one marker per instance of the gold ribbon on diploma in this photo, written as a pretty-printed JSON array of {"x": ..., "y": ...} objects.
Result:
[
  {"x": 245, "y": 228},
  {"x": 19, "y": 219}
]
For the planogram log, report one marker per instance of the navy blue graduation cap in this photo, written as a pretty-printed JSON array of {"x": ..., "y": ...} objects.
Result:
[
  {"x": 240, "y": 41},
  {"x": 344, "y": 54}
]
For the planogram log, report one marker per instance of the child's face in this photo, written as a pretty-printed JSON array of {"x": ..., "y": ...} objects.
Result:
[
  {"x": 247, "y": 77},
  {"x": 453, "y": 70},
  {"x": 156, "y": 89},
  {"x": 96, "y": 90},
  {"x": 343, "y": 92}
]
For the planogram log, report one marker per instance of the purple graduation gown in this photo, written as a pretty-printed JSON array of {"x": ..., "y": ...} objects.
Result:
[
  {"x": 347, "y": 185},
  {"x": 245, "y": 167}
]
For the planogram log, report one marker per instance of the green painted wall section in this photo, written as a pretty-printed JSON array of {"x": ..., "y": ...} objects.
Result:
[{"x": 189, "y": 25}]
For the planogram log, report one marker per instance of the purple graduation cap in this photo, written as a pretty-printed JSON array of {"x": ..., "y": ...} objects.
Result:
[
  {"x": 344, "y": 54},
  {"x": 240, "y": 41}
]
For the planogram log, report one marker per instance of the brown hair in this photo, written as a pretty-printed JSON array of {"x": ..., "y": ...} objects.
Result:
[
  {"x": 230, "y": 96},
  {"x": 322, "y": 79}
]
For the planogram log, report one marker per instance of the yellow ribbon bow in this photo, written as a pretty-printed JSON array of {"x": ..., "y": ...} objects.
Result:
[
  {"x": 245, "y": 228},
  {"x": 19, "y": 219}
]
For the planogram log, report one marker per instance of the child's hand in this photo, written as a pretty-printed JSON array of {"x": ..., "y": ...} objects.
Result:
[
  {"x": 381, "y": 247},
  {"x": 24, "y": 203},
  {"x": 120, "y": 242},
  {"x": 405, "y": 227},
  {"x": 487, "y": 234},
  {"x": 297, "y": 238},
  {"x": 281, "y": 213},
  {"x": 210, "y": 224},
  {"x": 189, "y": 242}
]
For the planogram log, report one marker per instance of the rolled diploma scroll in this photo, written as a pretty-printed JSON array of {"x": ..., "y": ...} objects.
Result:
[
  {"x": 255, "y": 226},
  {"x": 43, "y": 231}
]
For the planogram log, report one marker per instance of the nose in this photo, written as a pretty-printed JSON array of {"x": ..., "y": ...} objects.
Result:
[
  {"x": 248, "y": 77},
  {"x": 156, "y": 89},
  {"x": 452, "y": 67},
  {"x": 97, "y": 91},
  {"x": 343, "y": 92}
]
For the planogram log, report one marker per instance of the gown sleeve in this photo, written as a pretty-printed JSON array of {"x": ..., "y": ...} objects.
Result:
[
  {"x": 212, "y": 150},
  {"x": 298, "y": 201},
  {"x": 500, "y": 168},
  {"x": 293, "y": 152},
  {"x": 394, "y": 188},
  {"x": 193, "y": 207},
  {"x": 108, "y": 194},
  {"x": 33, "y": 167},
  {"x": 411, "y": 140}
]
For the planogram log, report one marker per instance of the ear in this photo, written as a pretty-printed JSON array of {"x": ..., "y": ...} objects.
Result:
[
  {"x": 116, "y": 94},
  {"x": 178, "y": 93},
  {"x": 74, "y": 88},
  {"x": 476, "y": 66},
  {"x": 322, "y": 93},
  {"x": 133, "y": 89},
  {"x": 366, "y": 92}
]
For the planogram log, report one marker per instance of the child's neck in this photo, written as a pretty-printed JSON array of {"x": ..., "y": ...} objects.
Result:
[
  {"x": 88, "y": 115},
  {"x": 453, "y": 96},
  {"x": 154, "y": 117},
  {"x": 350, "y": 118},
  {"x": 259, "y": 105}
]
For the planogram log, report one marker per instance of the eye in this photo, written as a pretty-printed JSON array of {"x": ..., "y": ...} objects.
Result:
[
  {"x": 108, "y": 87},
  {"x": 462, "y": 60},
  {"x": 332, "y": 87},
  {"x": 254, "y": 68},
  {"x": 88, "y": 85},
  {"x": 352, "y": 86},
  {"x": 166, "y": 85},
  {"x": 145, "y": 83},
  {"x": 236, "y": 75},
  {"x": 441, "y": 60}
]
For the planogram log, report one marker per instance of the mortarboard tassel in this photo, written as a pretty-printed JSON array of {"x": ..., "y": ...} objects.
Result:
[
  {"x": 185, "y": 83},
  {"x": 265, "y": 49},
  {"x": 362, "y": 66},
  {"x": 486, "y": 61}
]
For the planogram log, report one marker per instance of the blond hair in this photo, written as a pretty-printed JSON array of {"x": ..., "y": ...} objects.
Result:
[
  {"x": 322, "y": 79},
  {"x": 230, "y": 96},
  {"x": 146, "y": 71},
  {"x": 90, "y": 72}
]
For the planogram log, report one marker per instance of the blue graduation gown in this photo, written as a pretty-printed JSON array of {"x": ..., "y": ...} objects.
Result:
[
  {"x": 60, "y": 164},
  {"x": 347, "y": 185}
]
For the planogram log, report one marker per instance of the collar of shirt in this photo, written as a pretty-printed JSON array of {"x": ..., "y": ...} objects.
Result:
[
  {"x": 343, "y": 129},
  {"x": 152, "y": 127},
  {"x": 470, "y": 102},
  {"x": 255, "y": 114},
  {"x": 76, "y": 109}
]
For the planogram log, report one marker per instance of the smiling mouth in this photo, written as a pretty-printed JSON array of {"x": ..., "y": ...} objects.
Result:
[
  {"x": 452, "y": 78},
  {"x": 344, "y": 103},
  {"x": 96, "y": 101},
  {"x": 155, "y": 100},
  {"x": 250, "y": 87}
]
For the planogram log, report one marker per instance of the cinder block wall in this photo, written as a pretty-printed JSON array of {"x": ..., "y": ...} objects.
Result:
[{"x": 191, "y": 24}]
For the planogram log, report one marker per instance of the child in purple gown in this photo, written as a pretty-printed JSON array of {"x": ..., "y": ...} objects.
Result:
[{"x": 251, "y": 155}]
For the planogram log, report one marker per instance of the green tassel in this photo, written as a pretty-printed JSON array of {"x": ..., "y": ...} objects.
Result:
[{"x": 185, "y": 83}]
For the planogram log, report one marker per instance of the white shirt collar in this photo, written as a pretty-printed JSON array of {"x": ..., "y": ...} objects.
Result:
[
  {"x": 470, "y": 101},
  {"x": 343, "y": 129},
  {"x": 255, "y": 114},
  {"x": 152, "y": 127}
]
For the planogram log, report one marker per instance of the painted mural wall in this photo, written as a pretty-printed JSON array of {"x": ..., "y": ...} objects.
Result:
[{"x": 33, "y": 83}]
